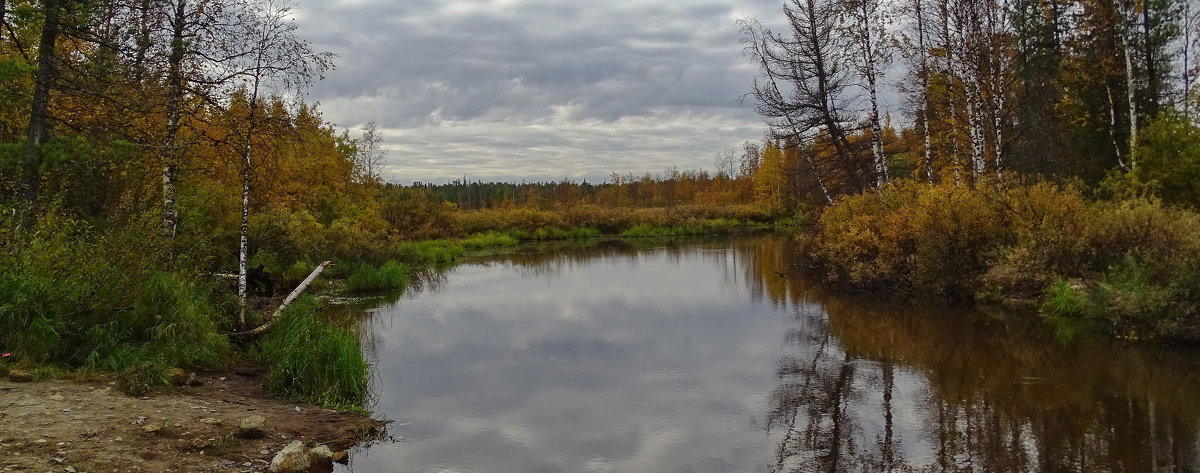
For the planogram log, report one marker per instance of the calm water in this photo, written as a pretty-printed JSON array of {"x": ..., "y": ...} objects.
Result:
[{"x": 715, "y": 357}]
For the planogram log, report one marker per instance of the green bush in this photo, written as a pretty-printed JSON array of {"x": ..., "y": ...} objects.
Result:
[{"x": 76, "y": 296}]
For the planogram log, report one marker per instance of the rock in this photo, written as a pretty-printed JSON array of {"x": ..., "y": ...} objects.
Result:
[
  {"x": 252, "y": 427},
  {"x": 20, "y": 376},
  {"x": 320, "y": 455},
  {"x": 177, "y": 376},
  {"x": 292, "y": 459},
  {"x": 155, "y": 428},
  {"x": 201, "y": 443},
  {"x": 341, "y": 456}
]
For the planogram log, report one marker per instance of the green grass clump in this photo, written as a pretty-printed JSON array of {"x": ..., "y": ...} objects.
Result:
[
  {"x": 434, "y": 252},
  {"x": 366, "y": 278},
  {"x": 490, "y": 239},
  {"x": 1061, "y": 300},
  {"x": 314, "y": 361}
]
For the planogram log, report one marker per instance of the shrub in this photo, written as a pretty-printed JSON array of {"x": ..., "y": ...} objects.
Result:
[
  {"x": 1133, "y": 262},
  {"x": 77, "y": 296}
]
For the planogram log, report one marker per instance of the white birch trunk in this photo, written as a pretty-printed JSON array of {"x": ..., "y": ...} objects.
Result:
[
  {"x": 1000, "y": 66},
  {"x": 975, "y": 131},
  {"x": 244, "y": 237},
  {"x": 247, "y": 156},
  {"x": 1130, "y": 92},
  {"x": 1112, "y": 129},
  {"x": 174, "y": 103},
  {"x": 287, "y": 301},
  {"x": 868, "y": 52},
  {"x": 925, "y": 102}
]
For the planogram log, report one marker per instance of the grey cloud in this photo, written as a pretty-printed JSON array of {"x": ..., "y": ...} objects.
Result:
[{"x": 412, "y": 65}]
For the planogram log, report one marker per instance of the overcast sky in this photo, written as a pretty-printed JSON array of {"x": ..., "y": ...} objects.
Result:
[{"x": 527, "y": 90}]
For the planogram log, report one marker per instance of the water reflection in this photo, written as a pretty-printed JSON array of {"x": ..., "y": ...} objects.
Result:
[
  {"x": 716, "y": 356},
  {"x": 868, "y": 387}
]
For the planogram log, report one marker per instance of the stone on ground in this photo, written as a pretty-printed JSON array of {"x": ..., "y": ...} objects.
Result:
[
  {"x": 292, "y": 459},
  {"x": 252, "y": 427},
  {"x": 320, "y": 455},
  {"x": 20, "y": 376}
]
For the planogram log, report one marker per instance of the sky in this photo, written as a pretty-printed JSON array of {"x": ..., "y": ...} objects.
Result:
[{"x": 534, "y": 90}]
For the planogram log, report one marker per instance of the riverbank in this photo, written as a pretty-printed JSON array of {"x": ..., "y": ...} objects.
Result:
[{"x": 91, "y": 426}]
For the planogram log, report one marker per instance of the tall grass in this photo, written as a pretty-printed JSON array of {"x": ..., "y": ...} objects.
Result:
[
  {"x": 314, "y": 361},
  {"x": 366, "y": 278}
]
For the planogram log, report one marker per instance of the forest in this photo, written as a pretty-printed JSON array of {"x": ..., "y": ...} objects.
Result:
[{"x": 157, "y": 158}]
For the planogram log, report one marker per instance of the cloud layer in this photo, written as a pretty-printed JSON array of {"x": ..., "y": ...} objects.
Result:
[{"x": 538, "y": 89}]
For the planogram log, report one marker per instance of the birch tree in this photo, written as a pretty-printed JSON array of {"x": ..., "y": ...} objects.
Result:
[
  {"x": 924, "y": 106},
  {"x": 276, "y": 58},
  {"x": 867, "y": 29}
]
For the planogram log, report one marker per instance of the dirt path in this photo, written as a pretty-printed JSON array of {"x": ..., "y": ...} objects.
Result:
[{"x": 64, "y": 426}]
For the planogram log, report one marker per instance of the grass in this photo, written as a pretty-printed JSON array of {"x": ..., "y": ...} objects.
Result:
[
  {"x": 431, "y": 252},
  {"x": 313, "y": 360},
  {"x": 718, "y": 226},
  {"x": 366, "y": 278},
  {"x": 1062, "y": 300},
  {"x": 491, "y": 239}
]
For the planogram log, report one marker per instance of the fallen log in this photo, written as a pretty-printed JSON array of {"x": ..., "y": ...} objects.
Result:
[{"x": 290, "y": 298}]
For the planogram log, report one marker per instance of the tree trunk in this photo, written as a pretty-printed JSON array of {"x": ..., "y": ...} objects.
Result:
[
  {"x": 1187, "y": 49},
  {"x": 174, "y": 103},
  {"x": 1112, "y": 129},
  {"x": 286, "y": 302},
  {"x": 881, "y": 174},
  {"x": 774, "y": 88},
  {"x": 1130, "y": 96},
  {"x": 244, "y": 238},
  {"x": 923, "y": 112},
  {"x": 39, "y": 111},
  {"x": 975, "y": 131}
]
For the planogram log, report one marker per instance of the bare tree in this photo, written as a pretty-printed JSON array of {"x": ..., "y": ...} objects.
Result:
[
  {"x": 368, "y": 160},
  {"x": 806, "y": 61}
]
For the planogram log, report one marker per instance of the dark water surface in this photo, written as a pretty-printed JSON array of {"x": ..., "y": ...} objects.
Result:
[{"x": 716, "y": 357}]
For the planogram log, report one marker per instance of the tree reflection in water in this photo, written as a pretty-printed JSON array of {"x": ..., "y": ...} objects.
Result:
[{"x": 896, "y": 388}]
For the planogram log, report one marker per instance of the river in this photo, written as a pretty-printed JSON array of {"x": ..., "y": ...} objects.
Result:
[{"x": 718, "y": 356}]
